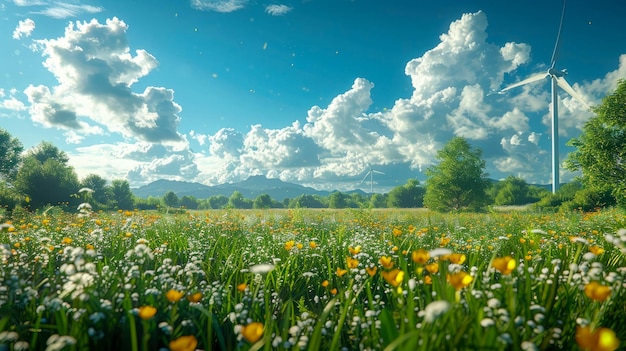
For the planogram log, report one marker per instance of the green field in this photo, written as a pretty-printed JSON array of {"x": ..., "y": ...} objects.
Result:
[{"x": 313, "y": 279}]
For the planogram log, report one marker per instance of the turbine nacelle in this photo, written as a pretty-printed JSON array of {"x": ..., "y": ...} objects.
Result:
[{"x": 556, "y": 73}]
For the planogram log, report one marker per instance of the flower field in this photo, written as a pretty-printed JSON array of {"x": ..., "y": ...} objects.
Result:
[{"x": 313, "y": 279}]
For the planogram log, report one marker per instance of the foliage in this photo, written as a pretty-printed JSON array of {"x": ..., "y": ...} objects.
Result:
[
  {"x": 102, "y": 195},
  {"x": 601, "y": 148},
  {"x": 122, "y": 196},
  {"x": 10, "y": 155},
  {"x": 170, "y": 199},
  {"x": 458, "y": 182},
  {"x": 189, "y": 202},
  {"x": 513, "y": 191},
  {"x": 263, "y": 201},
  {"x": 409, "y": 195},
  {"x": 312, "y": 279},
  {"x": 45, "y": 177},
  {"x": 552, "y": 202},
  {"x": 237, "y": 200}
]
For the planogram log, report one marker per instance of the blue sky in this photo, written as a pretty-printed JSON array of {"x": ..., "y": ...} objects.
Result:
[{"x": 312, "y": 92}]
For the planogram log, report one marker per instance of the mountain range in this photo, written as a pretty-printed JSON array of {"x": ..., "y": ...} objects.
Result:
[{"x": 249, "y": 188}]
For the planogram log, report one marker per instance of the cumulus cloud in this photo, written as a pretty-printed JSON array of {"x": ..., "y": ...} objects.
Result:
[
  {"x": 277, "y": 10},
  {"x": 218, "y": 5},
  {"x": 95, "y": 70},
  {"x": 24, "y": 29}
]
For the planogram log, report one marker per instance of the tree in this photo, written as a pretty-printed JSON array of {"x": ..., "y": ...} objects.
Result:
[
  {"x": 46, "y": 178},
  {"x": 10, "y": 155},
  {"x": 122, "y": 196},
  {"x": 601, "y": 149},
  {"x": 409, "y": 195},
  {"x": 336, "y": 199},
  {"x": 218, "y": 201},
  {"x": 170, "y": 199},
  {"x": 458, "y": 182},
  {"x": 102, "y": 195},
  {"x": 512, "y": 191},
  {"x": 189, "y": 202},
  {"x": 262, "y": 201},
  {"x": 237, "y": 200}
]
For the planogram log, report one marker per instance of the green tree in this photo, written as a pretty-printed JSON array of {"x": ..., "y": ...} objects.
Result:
[
  {"x": 122, "y": 196},
  {"x": 189, "y": 202},
  {"x": 237, "y": 200},
  {"x": 512, "y": 191},
  {"x": 218, "y": 201},
  {"x": 378, "y": 201},
  {"x": 102, "y": 194},
  {"x": 170, "y": 199},
  {"x": 409, "y": 195},
  {"x": 10, "y": 155},
  {"x": 306, "y": 201},
  {"x": 263, "y": 201},
  {"x": 458, "y": 181},
  {"x": 601, "y": 149},
  {"x": 336, "y": 199},
  {"x": 45, "y": 177}
]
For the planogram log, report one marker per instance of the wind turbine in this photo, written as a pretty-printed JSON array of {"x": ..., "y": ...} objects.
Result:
[
  {"x": 557, "y": 79},
  {"x": 371, "y": 175}
]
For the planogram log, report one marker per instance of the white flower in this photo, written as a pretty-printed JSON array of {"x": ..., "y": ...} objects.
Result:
[
  {"x": 440, "y": 252},
  {"x": 261, "y": 268},
  {"x": 435, "y": 309}
]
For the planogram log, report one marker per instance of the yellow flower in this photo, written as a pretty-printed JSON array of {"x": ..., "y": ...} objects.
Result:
[
  {"x": 325, "y": 283},
  {"x": 596, "y": 250},
  {"x": 184, "y": 343},
  {"x": 460, "y": 280},
  {"x": 394, "y": 277},
  {"x": 147, "y": 312},
  {"x": 432, "y": 268},
  {"x": 340, "y": 272},
  {"x": 428, "y": 280},
  {"x": 89, "y": 247},
  {"x": 354, "y": 250},
  {"x": 597, "y": 291},
  {"x": 252, "y": 332},
  {"x": 66, "y": 241},
  {"x": 601, "y": 339},
  {"x": 371, "y": 271},
  {"x": 352, "y": 262},
  {"x": 444, "y": 241},
  {"x": 386, "y": 262},
  {"x": 289, "y": 245},
  {"x": 242, "y": 287},
  {"x": 194, "y": 297},
  {"x": 420, "y": 256},
  {"x": 505, "y": 265},
  {"x": 299, "y": 246},
  {"x": 313, "y": 245},
  {"x": 397, "y": 231},
  {"x": 457, "y": 258},
  {"x": 333, "y": 291},
  {"x": 174, "y": 295}
]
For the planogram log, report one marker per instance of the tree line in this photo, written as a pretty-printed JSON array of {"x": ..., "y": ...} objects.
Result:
[{"x": 42, "y": 177}]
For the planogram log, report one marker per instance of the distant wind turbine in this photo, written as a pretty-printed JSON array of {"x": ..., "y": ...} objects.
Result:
[
  {"x": 371, "y": 175},
  {"x": 556, "y": 77}
]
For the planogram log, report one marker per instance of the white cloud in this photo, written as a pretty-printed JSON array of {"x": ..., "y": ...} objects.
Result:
[
  {"x": 12, "y": 104},
  {"x": 218, "y": 5},
  {"x": 24, "y": 29},
  {"x": 277, "y": 10},
  {"x": 61, "y": 10},
  {"x": 96, "y": 70}
]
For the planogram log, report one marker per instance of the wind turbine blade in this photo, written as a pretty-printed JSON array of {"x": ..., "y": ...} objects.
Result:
[
  {"x": 378, "y": 172},
  {"x": 568, "y": 88},
  {"x": 531, "y": 79},
  {"x": 555, "y": 52},
  {"x": 366, "y": 174}
]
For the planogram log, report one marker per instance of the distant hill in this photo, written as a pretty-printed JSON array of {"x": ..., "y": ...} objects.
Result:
[{"x": 249, "y": 188}]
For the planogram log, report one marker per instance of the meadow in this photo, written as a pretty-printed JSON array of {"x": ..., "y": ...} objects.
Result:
[{"x": 312, "y": 279}]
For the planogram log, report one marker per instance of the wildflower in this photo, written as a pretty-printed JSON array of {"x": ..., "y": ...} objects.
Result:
[
  {"x": 312, "y": 245},
  {"x": 597, "y": 291},
  {"x": 439, "y": 252},
  {"x": 386, "y": 262},
  {"x": 505, "y": 265},
  {"x": 371, "y": 271},
  {"x": 252, "y": 332},
  {"x": 147, "y": 312},
  {"x": 289, "y": 245},
  {"x": 261, "y": 268},
  {"x": 325, "y": 283},
  {"x": 184, "y": 343},
  {"x": 596, "y": 250},
  {"x": 601, "y": 339},
  {"x": 66, "y": 241},
  {"x": 432, "y": 267},
  {"x": 444, "y": 241},
  {"x": 428, "y": 280},
  {"x": 173, "y": 295},
  {"x": 354, "y": 250},
  {"x": 394, "y": 277},
  {"x": 420, "y": 256},
  {"x": 397, "y": 232},
  {"x": 340, "y": 272},
  {"x": 435, "y": 309},
  {"x": 195, "y": 297},
  {"x": 352, "y": 262},
  {"x": 333, "y": 291},
  {"x": 460, "y": 280},
  {"x": 89, "y": 247},
  {"x": 299, "y": 246},
  {"x": 457, "y": 258},
  {"x": 242, "y": 287}
]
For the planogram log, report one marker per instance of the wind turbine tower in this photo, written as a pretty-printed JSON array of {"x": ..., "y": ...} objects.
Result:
[
  {"x": 371, "y": 175},
  {"x": 557, "y": 79}
]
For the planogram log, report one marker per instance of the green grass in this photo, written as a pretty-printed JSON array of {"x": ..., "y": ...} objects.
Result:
[{"x": 75, "y": 283}]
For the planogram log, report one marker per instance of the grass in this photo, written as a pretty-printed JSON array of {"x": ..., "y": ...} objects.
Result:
[{"x": 313, "y": 279}]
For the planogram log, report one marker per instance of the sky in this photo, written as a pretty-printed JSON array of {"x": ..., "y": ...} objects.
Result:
[{"x": 313, "y": 92}]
